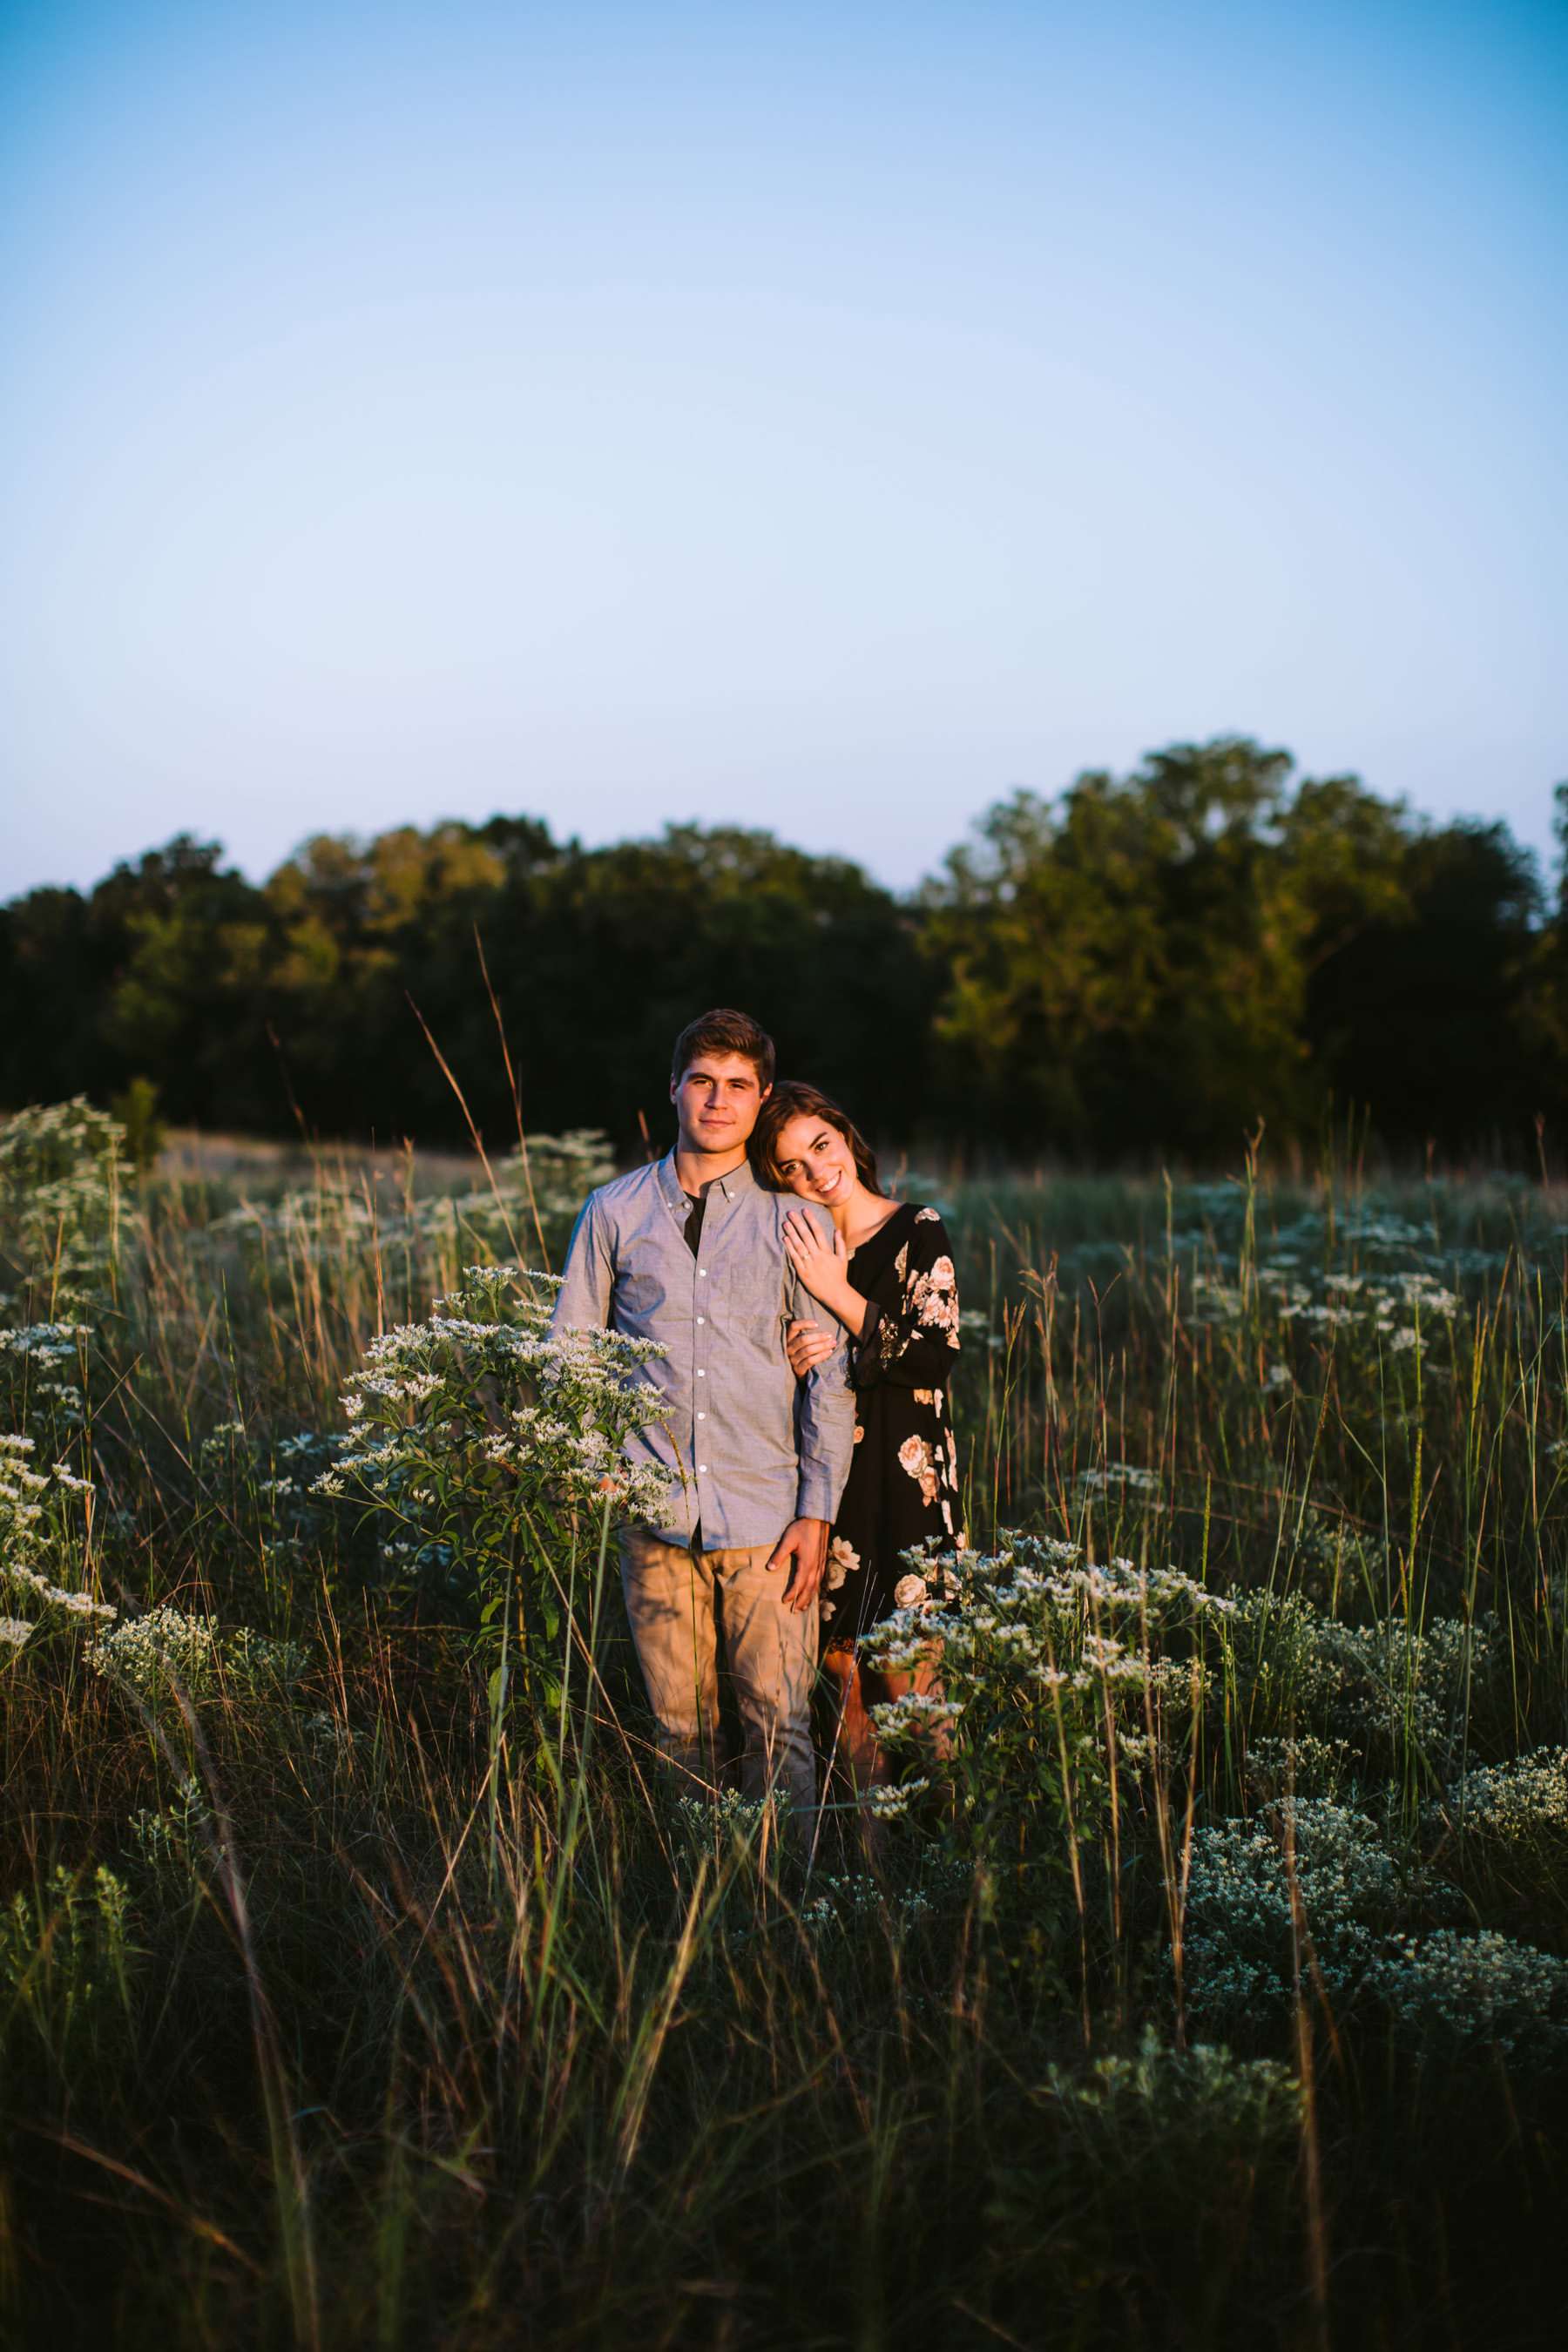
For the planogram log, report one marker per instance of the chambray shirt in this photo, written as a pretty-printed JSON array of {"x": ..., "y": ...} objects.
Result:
[{"x": 752, "y": 1446}]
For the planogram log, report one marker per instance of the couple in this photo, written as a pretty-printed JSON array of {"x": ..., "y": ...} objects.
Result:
[{"x": 809, "y": 1325}]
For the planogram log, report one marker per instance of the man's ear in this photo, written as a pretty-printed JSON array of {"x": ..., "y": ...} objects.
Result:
[{"x": 766, "y": 1091}]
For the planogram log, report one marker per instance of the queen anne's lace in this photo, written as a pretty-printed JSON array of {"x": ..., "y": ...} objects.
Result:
[
  {"x": 484, "y": 1385},
  {"x": 23, "y": 1494},
  {"x": 1525, "y": 1798},
  {"x": 167, "y": 1649}
]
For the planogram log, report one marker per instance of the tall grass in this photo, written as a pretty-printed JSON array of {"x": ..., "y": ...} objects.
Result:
[{"x": 343, "y": 2001}]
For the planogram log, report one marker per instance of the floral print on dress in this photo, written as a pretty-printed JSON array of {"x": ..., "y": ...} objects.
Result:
[
  {"x": 932, "y": 1585},
  {"x": 934, "y": 1297},
  {"x": 916, "y": 1456},
  {"x": 841, "y": 1557},
  {"x": 904, "y": 1489}
]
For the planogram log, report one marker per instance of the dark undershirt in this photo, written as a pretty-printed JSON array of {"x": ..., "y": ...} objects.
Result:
[{"x": 694, "y": 1222}]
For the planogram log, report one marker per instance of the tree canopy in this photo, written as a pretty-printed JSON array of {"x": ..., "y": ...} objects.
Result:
[{"x": 1149, "y": 964}]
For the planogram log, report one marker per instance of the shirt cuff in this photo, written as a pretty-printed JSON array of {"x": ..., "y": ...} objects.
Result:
[{"x": 815, "y": 1497}]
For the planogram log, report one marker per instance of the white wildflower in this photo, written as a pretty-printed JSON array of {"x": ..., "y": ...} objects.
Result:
[{"x": 887, "y": 1802}]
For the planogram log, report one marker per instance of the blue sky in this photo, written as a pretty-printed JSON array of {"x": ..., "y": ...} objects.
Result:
[{"x": 829, "y": 418}]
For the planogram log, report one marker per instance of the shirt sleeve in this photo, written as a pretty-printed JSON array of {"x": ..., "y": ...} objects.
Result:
[
  {"x": 825, "y": 1409},
  {"x": 583, "y": 1298},
  {"x": 912, "y": 1345}
]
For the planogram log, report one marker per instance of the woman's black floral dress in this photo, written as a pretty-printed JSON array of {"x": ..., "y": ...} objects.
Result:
[{"x": 903, "y": 1481}]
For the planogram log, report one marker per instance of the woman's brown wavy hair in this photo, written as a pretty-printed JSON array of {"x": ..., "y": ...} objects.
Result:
[{"x": 791, "y": 1099}]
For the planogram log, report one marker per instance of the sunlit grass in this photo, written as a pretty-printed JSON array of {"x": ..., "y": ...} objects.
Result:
[{"x": 342, "y": 2002}]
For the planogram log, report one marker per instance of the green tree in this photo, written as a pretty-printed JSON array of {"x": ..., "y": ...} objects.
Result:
[
  {"x": 1128, "y": 968},
  {"x": 1427, "y": 1018},
  {"x": 602, "y": 959}
]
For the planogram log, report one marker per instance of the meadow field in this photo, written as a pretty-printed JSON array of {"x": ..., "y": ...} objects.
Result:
[{"x": 360, "y": 1984}]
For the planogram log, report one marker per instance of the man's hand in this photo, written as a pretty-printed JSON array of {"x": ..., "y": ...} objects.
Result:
[{"x": 804, "y": 1544}]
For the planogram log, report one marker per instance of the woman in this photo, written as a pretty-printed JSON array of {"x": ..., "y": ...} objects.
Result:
[{"x": 889, "y": 1278}]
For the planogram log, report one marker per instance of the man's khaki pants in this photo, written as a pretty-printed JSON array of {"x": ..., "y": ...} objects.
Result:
[{"x": 685, "y": 1606}]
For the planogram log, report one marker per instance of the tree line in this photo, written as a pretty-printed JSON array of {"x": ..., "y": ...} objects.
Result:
[{"x": 1149, "y": 964}]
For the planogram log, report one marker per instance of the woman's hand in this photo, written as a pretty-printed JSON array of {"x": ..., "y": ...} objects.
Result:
[
  {"x": 805, "y": 1345},
  {"x": 823, "y": 1270}
]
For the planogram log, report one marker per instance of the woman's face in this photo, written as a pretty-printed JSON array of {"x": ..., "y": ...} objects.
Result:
[{"x": 815, "y": 1161}]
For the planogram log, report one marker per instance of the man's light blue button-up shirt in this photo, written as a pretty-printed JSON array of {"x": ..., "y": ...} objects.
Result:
[{"x": 752, "y": 1446}]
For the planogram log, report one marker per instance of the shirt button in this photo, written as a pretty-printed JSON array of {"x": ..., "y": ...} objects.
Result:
[
  {"x": 702, "y": 1319},
  {"x": 701, "y": 1274},
  {"x": 702, "y": 1376},
  {"x": 702, "y": 1469},
  {"x": 701, "y": 1416}
]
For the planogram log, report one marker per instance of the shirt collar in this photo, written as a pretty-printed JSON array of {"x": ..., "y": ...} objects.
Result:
[{"x": 739, "y": 1181}]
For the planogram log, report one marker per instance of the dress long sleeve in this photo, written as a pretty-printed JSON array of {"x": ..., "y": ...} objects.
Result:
[{"x": 914, "y": 1344}]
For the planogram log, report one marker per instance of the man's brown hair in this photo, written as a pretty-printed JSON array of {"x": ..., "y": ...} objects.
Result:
[{"x": 724, "y": 1031}]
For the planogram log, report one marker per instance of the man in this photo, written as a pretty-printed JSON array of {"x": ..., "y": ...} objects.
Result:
[{"x": 691, "y": 1252}]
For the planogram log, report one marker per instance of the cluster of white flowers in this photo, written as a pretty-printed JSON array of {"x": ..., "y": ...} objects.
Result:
[
  {"x": 1521, "y": 1798},
  {"x": 729, "y": 1814},
  {"x": 847, "y": 1906},
  {"x": 466, "y": 1393},
  {"x": 1039, "y": 1611},
  {"x": 1111, "y": 1649},
  {"x": 60, "y": 1194},
  {"x": 1304, "y": 1766},
  {"x": 1364, "y": 1231},
  {"x": 1482, "y": 1988},
  {"x": 721, "y": 1826},
  {"x": 33, "y": 1358},
  {"x": 168, "y": 1648},
  {"x": 916, "y": 1712},
  {"x": 1178, "y": 1684},
  {"x": 1121, "y": 1474},
  {"x": 56, "y": 1596},
  {"x": 1387, "y": 1682},
  {"x": 20, "y": 1484},
  {"x": 21, "y": 1511},
  {"x": 1358, "y": 1894},
  {"x": 1391, "y": 1307},
  {"x": 1375, "y": 1277},
  {"x": 890, "y": 1800},
  {"x": 164, "y": 1645},
  {"x": 336, "y": 1222},
  {"x": 1160, "y": 2090},
  {"x": 1354, "y": 1891}
]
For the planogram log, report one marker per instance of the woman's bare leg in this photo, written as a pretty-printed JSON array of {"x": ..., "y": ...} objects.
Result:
[
  {"x": 855, "y": 1742},
  {"x": 858, "y": 1689}
]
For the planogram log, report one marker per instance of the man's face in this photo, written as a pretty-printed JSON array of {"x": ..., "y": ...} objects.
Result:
[{"x": 717, "y": 1099}]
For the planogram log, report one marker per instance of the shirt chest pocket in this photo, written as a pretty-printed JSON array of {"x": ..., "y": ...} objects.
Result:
[
  {"x": 747, "y": 1291},
  {"x": 642, "y": 1286}
]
